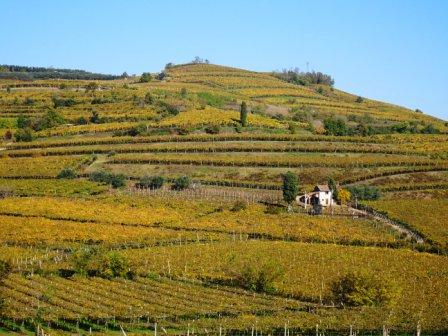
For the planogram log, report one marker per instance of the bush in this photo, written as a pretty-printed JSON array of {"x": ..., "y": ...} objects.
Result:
[
  {"x": 212, "y": 129},
  {"x": 359, "y": 99},
  {"x": 430, "y": 129},
  {"x": 137, "y": 130},
  {"x": 81, "y": 121},
  {"x": 92, "y": 86},
  {"x": 335, "y": 126},
  {"x": 148, "y": 98},
  {"x": 95, "y": 118},
  {"x": 154, "y": 182},
  {"x": 181, "y": 183},
  {"x": 24, "y": 135},
  {"x": 238, "y": 206},
  {"x": 362, "y": 289},
  {"x": 67, "y": 173},
  {"x": 5, "y": 269},
  {"x": 49, "y": 120},
  {"x": 96, "y": 262},
  {"x": 273, "y": 209},
  {"x": 146, "y": 77},
  {"x": 63, "y": 102},
  {"x": 6, "y": 192},
  {"x": 23, "y": 122},
  {"x": 258, "y": 276},
  {"x": 115, "y": 180}
]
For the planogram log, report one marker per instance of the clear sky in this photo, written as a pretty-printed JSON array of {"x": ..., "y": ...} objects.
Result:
[{"x": 390, "y": 50}]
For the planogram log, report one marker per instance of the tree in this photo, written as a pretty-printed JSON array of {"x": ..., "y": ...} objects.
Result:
[
  {"x": 146, "y": 77},
  {"x": 243, "y": 114},
  {"x": 290, "y": 188},
  {"x": 333, "y": 187},
  {"x": 344, "y": 196}
]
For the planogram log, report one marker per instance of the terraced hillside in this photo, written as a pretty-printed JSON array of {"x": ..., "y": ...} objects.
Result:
[{"x": 92, "y": 242}]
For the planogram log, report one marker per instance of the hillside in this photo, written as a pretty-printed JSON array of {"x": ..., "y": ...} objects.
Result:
[{"x": 147, "y": 203}]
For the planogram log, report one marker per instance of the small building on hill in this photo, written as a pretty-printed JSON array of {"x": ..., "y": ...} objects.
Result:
[{"x": 321, "y": 195}]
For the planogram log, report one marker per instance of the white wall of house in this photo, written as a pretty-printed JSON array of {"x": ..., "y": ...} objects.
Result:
[{"x": 325, "y": 198}]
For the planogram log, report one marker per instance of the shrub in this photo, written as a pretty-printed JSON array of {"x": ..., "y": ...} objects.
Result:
[
  {"x": 148, "y": 98},
  {"x": 273, "y": 209},
  {"x": 63, "y": 102},
  {"x": 359, "y": 99},
  {"x": 115, "y": 180},
  {"x": 238, "y": 206},
  {"x": 362, "y": 289},
  {"x": 92, "y": 86},
  {"x": 96, "y": 262},
  {"x": 146, "y": 77},
  {"x": 258, "y": 276},
  {"x": 212, "y": 129},
  {"x": 24, "y": 135},
  {"x": 430, "y": 129},
  {"x": 181, "y": 183},
  {"x": 51, "y": 119},
  {"x": 8, "y": 135},
  {"x": 137, "y": 130},
  {"x": 335, "y": 126},
  {"x": 81, "y": 121},
  {"x": 153, "y": 182},
  {"x": 67, "y": 173},
  {"x": 6, "y": 192},
  {"x": 95, "y": 118},
  {"x": 23, "y": 122},
  {"x": 29, "y": 101},
  {"x": 5, "y": 269}
]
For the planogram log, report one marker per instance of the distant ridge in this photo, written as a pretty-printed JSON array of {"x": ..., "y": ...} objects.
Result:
[{"x": 30, "y": 73}]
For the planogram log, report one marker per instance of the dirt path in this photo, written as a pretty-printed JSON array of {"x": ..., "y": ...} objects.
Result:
[{"x": 391, "y": 223}]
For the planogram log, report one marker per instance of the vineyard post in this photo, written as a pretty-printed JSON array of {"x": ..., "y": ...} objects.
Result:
[{"x": 155, "y": 329}]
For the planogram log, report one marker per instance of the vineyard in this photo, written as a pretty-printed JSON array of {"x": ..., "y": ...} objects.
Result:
[{"x": 98, "y": 235}]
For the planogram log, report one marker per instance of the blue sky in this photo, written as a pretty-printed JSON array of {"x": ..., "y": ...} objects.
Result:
[{"x": 395, "y": 51}]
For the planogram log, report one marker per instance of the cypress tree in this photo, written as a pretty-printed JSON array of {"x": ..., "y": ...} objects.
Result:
[
  {"x": 243, "y": 114},
  {"x": 333, "y": 187},
  {"x": 290, "y": 188}
]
